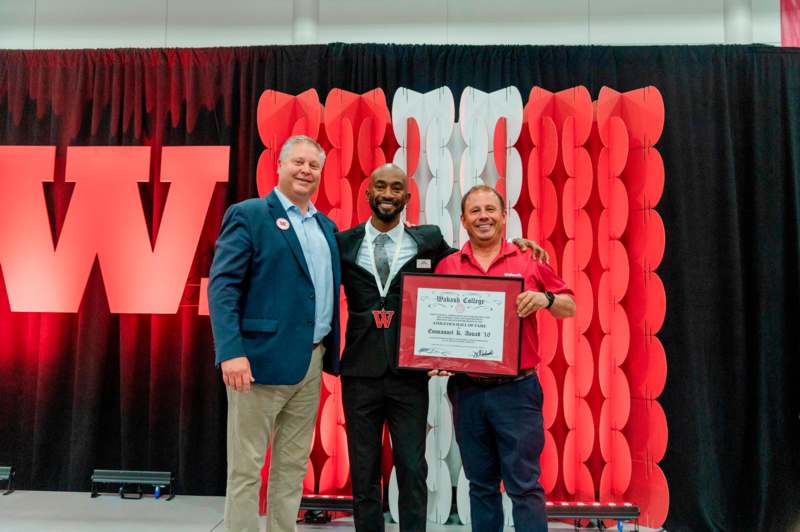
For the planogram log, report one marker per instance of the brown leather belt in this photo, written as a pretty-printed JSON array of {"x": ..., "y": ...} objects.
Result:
[{"x": 496, "y": 381}]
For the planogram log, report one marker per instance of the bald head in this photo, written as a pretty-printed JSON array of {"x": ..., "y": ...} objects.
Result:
[
  {"x": 388, "y": 170},
  {"x": 387, "y": 193}
]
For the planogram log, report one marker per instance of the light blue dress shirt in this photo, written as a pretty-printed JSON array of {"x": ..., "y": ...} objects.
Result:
[
  {"x": 408, "y": 249},
  {"x": 318, "y": 258}
]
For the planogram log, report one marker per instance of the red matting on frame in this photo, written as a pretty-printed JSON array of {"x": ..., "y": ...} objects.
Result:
[{"x": 412, "y": 283}]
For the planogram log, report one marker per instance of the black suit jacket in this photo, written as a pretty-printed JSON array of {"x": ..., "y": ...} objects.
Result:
[{"x": 369, "y": 351}]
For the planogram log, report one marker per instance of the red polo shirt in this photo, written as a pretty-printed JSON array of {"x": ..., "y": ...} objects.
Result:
[{"x": 512, "y": 262}]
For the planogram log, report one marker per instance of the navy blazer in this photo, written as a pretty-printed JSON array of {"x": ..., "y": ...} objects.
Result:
[{"x": 261, "y": 297}]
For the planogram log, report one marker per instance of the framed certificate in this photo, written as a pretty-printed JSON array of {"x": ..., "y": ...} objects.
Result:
[{"x": 460, "y": 323}]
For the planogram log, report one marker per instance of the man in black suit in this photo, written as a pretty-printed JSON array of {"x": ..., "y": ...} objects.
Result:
[{"x": 374, "y": 391}]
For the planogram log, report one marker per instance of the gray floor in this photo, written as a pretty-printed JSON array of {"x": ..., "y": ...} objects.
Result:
[{"x": 39, "y": 511}]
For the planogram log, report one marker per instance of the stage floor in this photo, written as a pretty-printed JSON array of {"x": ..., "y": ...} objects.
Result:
[{"x": 41, "y": 511}]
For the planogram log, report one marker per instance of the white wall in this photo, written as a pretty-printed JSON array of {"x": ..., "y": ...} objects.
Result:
[{"x": 39, "y": 24}]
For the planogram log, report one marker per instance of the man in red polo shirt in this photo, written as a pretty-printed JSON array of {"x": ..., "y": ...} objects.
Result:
[{"x": 498, "y": 421}]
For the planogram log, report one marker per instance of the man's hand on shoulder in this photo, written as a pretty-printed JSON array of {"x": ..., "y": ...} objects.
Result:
[
  {"x": 236, "y": 374},
  {"x": 537, "y": 251}
]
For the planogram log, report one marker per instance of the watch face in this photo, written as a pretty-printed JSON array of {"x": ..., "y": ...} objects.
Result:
[{"x": 550, "y": 298}]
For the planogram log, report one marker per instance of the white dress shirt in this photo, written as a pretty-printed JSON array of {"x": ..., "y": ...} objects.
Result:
[{"x": 408, "y": 248}]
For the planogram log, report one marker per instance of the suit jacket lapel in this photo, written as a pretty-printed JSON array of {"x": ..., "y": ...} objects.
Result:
[
  {"x": 350, "y": 251},
  {"x": 414, "y": 234},
  {"x": 424, "y": 245},
  {"x": 278, "y": 211}
]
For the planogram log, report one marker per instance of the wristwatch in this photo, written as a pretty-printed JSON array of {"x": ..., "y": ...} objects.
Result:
[{"x": 551, "y": 298}]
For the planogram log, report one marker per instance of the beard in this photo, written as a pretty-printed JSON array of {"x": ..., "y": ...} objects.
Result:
[{"x": 385, "y": 216}]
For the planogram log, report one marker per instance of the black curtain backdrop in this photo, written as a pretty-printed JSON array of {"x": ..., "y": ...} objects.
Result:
[{"x": 95, "y": 389}]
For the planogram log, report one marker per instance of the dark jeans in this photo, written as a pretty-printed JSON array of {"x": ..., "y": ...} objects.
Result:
[
  {"x": 402, "y": 402},
  {"x": 500, "y": 434}
]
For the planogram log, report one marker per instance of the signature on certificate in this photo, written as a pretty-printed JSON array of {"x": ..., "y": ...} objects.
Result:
[
  {"x": 432, "y": 351},
  {"x": 481, "y": 353}
]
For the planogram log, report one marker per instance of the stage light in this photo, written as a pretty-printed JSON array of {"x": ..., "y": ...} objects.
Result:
[
  {"x": 7, "y": 475},
  {"x": 327, "y": 503},
  {"x": 581, "y": 510},
  {"x": 155, "y": 479},
  {"x": 318, "y": 507}
]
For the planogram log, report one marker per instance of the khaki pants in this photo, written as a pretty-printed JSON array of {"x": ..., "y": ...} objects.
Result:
[{"x": 287, "y": 413}]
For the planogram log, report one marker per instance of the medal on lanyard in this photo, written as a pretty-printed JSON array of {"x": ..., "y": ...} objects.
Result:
[{"x": 383, "y": 317}]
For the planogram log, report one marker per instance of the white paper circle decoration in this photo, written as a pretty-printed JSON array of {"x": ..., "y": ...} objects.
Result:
[
  {"x": 463, "y": 237},
  {"x": 435, "y": 143},
  {"x": 477, "y": 153},
  {"x": 467, "y": 177},
  {"x": 400, "y": 158},
  {"x": 446, "y": 225},
  {"x": 441, "y": 500},
  {"x": 453, "y": 458},
  {"x": 474, "y": 104},
  {"x": 513, "y": 225},
  {"x": 394, "y": 509},
  {"x": 443, "y": 174},
  {"x": 435, "y": 207},
  {"x": 435, "y": 395},
  {"x": 405, "y": 104},
  {"x": 432, "y": 458},
  {"x": 506, "y": 103},
  {"x": 508, "y": 515},
  {"x": 444, "y": 431},
  {"x": 440, "y": 106},
  {"x": 462, "y": 498},
  {"x": 437, "y": 213},
  {"x": 439, "y": 438}
]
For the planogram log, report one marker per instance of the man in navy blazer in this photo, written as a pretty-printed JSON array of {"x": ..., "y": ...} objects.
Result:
[{"x": 274, "y": 302}]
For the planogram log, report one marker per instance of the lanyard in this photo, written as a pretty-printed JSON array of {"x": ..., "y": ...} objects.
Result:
[{"x": 384, "y": 289}]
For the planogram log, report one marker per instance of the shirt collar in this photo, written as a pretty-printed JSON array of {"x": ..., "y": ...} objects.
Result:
[
  {"x": 507, "y": 249},
  {"x": 288, "y": 205},
  {"x": 394, "y": 233}
]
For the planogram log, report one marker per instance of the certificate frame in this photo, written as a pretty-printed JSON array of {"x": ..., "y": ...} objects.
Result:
[{"x": 508, "y": 363}]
